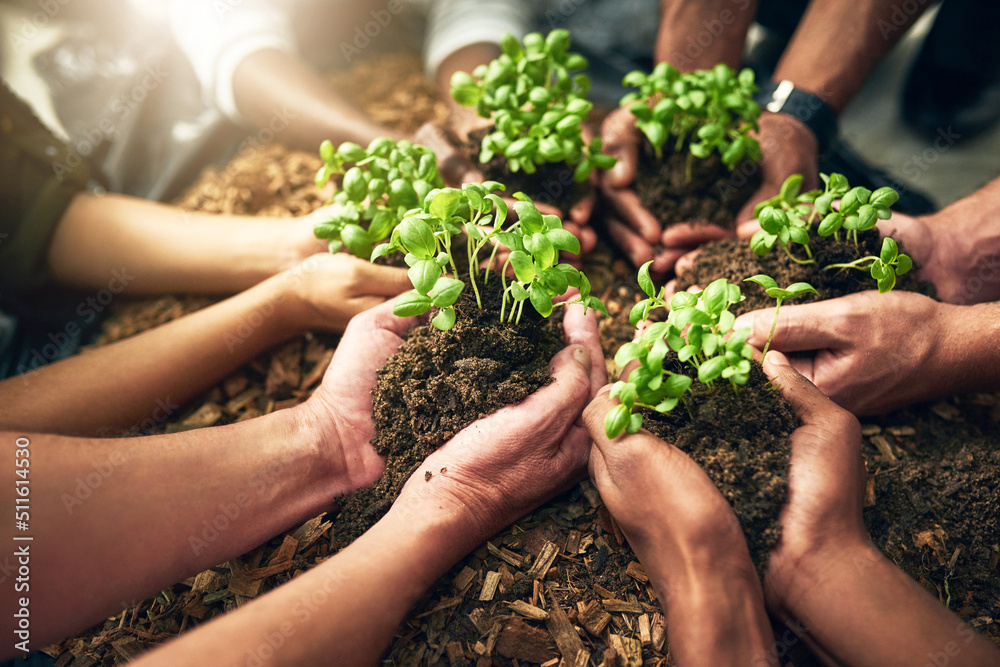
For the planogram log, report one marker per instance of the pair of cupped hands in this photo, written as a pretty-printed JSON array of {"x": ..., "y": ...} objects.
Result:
[{"x": 510, "y": 462}]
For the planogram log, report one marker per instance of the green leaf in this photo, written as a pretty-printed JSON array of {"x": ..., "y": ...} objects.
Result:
[
  {"x": 530, "y": 218},
  {"x": 517, "y": 291},
  {"x": 445, "y": 319},
  {"x": 355, "y": 185},
  {"x": 765, "y": 281},
  {"x": 417, "y": 237},
  {"x": 830, "y": 224},
  {"x": 682, "y": 300},
  {"x": 798, "y": 289},
  {"x": 762, "y": 242},
  {"x": 326, "y": 151},
  {"x": 446, "y": 291},
  {"x": 356, "y": 241},
  {"x": 524, "y": 268},
  {"x": 676, "y": 384},
  {"x": 540, "y": 299},
  {"x": 445, "y": 203},
  {"x": 883, "y": 198},
  {"x": 798, "y": 235},
  {"x": 711, "y": 369},
  {"x": 424, "y": 274},
  {"x": 889, "y": 250},
  {"x": 510, "y": 46},
  {"x": 563, "y": 239},
  {"x": 410, "y": 304},
  {"x": 903, "y": 264},
  {"x": 380, "y": 251},
  {"x": 541, "y": 249},
  {"x": 726, "y": 320},
  {"x": 554, "y": 280},
  {"x": 773, "y": 220},
  {"x": 867, "y": 217},
  {"x": 791, "y": 187},
  {"x": 350, "y": 152},
  {"x": 627, "y": 353},
  {"x": 714, "y": 296},
  {"x": 616, "y": 421},
  {"x": 637, "y": 313},
  {"x": 886, "y": 283},
  {"x": 645, "y": 282}
]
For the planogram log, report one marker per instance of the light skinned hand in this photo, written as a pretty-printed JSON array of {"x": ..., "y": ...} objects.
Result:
[
  {"x": 870, "y": 352},
  {"x": 508, "y": 463}
]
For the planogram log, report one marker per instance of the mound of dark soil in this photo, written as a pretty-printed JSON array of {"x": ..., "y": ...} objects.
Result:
[
  {"x": 733, "y": 260},
  {"x": 714, "y": 194},
  {"x": 439, "y": 382}
]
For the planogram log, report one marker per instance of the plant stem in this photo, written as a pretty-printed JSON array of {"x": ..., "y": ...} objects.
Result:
[
  {"x": 796, "y": 259},
  {"x": 852, "y": 265},
  {"x": 774, "y": 325}
]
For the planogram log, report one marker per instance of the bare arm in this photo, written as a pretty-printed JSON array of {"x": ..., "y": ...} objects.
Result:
[
  {"x": 120, "y": 386},
  {"x": 271, "y": 85},
  {"x": 160, "y": 248},
  {"x": 725, "y": 22}
]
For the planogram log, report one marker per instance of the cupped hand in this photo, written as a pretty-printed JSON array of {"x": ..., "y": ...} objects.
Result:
[
  {"x": 826, "y": 481},
  {"x": 787, "y": 147},
  {"x": 341, "y": 407},
  {"x": 870, "y": 352},
  {"x": 671, "y": 512},
  {"x": 330, "y": 289},
  {"x": 502, "y": 466}
]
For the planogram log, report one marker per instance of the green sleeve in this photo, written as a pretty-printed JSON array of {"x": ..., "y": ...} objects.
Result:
[{"x": 39, "y": 176}]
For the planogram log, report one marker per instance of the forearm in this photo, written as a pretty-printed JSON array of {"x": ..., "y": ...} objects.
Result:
[
  {"x": 119, "y": 519},
  {"x": 273, "y": 88},
  {"x": 715, "y": 612},
  {"x": 881, "y": 616},
  {"x": 969, "y": 357},
  {"x": 344, "y": 612},
  {"x": 724, "y": 22},
  {"x": 139, "y": 381},
  {"x": 464, "y": 119},
  {"x": 837, "y": 44},
  {"x": 142, "y": 247}
]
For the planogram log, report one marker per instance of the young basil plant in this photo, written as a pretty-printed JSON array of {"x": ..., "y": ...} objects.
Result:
[
  {"x": 535, "y": 103},
  {"x": 780, "y": 294},
  {"x": 699, "y": 330},
  {"x": 713, "y": 110},
  {"x": 432, "y": 234},
  {"x": 793, "y": 217},
  {"x": 884, "y": 268},
  {"x": 380, "y": 184}
]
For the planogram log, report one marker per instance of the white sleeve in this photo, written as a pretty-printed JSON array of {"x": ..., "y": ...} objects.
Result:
[
  {"x": 216, "y": 37},
  {"x": 454, "y": 24}
]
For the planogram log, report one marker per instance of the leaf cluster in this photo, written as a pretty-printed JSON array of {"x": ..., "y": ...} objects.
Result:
[
  {"x": 379, "y": 185},
  {"x": 536, "y": 104},
  {"x": 699, "y": 330},
  {"x": 714, "y": 108},
  {"x": 431, "y": 235}
]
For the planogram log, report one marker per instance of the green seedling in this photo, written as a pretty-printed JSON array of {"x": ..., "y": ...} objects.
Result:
[
  {"x": 884, "y": 268},
  {"x": 380, "y": 184},
  {"x": 536, "y": 104},
  {"x": 796, "y": 217},
  {"x": 699, "y": 330},
  {"x": 780, "y": 295},
  {"x": 431, "y": 235},
  {"x": 714, "y": 109}
]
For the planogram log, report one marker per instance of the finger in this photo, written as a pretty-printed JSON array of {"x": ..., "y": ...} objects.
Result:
[
  {"x": 633, "y": 245},
  {"x": 686, "y": 262},
  {"x": 583, "y": 209},
  {"x": 799, "y": 328},
  {"x": 382, "y": 280},
  {"x": 686, "y": 234},
  {"x": 747, "y": 228},
  {"x": 812, "y": 405},
  {"x": 581, "y": 329},
  {"x": 665, "y": 262},
  {"x": 621, "y": 141},
  {"x": 628, "y": 206},
  {"x": 669, "y": 290},
  {"x": 584, "y": 234}
]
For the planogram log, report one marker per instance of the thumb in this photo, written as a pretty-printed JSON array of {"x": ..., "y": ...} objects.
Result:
[
  {"x": 812, "y": 406},
  {"x": 381, "y": 280}
]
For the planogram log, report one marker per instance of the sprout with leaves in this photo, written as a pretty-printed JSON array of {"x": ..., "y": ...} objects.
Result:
[
  {"x": 789, "y": 218},
  {"x": 537, "y": 106},
  {"x": 780, "y": 294},
  {"x": 713, "y": 109},
  {"x": 696, "y": 330},
  {"x": 429, "y": 237},
  {"x": 380, "y": 184}
]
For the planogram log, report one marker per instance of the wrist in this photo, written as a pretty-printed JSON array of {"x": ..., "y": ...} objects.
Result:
[{"x": 781, "y": 132}]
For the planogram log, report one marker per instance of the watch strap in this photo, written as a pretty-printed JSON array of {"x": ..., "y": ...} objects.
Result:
[{"x": 812, "y": 111}]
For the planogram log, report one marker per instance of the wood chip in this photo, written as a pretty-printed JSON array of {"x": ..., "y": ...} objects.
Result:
[
  {"x": 314, "y": 376},
  {"x": 505, "y": 555},
  {"x": 456, "y": 654},
  {"x": 528, "y": 610},
  {"x": 946, "y": 411},
  {"x": 645, "y": 633},
  {"x": 544, "y": 561},
  {"x": 870, "y": 492},
  {"x": 901, "y": 431},
  {"x": 629, "y": 650},
  {"x": 658, "y": 632},
  {"x": 567, "y": 640},
  {"x": 207, "y": 415},
  {"x": 623, "y": 607},
  {"x": 870, "y": 429},
  {"x": 611, "y": 658},
  {"x": 463, "y": 578},
  {"x": 520, "y": 641},
  {"x": 884, "y": 448},
  {"x": 593, "y": 618},
  {"x": 491, "y": 639},
  {"x": 573, "y": 542},
  {"x": 637, "y": 572},
  {"x": 489, "y": 586}
]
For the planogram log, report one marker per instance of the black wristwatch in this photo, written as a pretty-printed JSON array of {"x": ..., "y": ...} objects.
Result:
[{"x": 784, "y": 97}]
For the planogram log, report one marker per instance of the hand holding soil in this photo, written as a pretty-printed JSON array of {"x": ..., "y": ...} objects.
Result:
[
  {"x": 502, "y": 466},
  {"x": 342, "y": 405}
]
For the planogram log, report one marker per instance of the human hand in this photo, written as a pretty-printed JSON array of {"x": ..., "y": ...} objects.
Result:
[
  {"x": 826, "y": 482},
  {"x": 873, "y": 352},
  {"x": 508, "y": 463},
  {"x": 787, "y": 147},
  {"x": 340, "y": 409},
  {"x": 327, "y": 290}
]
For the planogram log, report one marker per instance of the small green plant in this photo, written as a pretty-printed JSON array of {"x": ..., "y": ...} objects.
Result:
[
  {"x": 793, "y": 217},
  {"x": 380, "y": 184},
  {"x": 537, "y": 106},
  {"x": 696, "y": 330},
  {"x": 779, "y": 294},
  {"x": 430, "y": 237},
  {"x": 714, "y": 109},
  {"x": 884, "y": 268}
]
